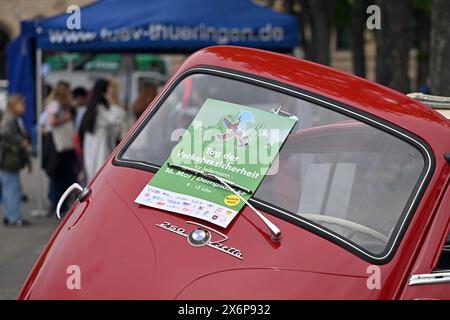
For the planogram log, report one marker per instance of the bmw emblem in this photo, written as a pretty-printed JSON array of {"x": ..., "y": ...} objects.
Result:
[{"x": 199, "y": 237}]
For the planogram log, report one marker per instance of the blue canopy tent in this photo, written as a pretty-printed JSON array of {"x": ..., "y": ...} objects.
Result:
[
  {"x": 169, "y": 25},
  {"x": 141, "y": 25}
]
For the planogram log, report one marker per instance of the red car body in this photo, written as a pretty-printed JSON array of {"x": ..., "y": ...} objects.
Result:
[{"x": 122, "y": 254}]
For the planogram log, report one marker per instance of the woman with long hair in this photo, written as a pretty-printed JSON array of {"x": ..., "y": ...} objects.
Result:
[{"x": 100, "y": 123}]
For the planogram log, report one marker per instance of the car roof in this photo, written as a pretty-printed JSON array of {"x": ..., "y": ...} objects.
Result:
[{"x": 367, "y": 96}]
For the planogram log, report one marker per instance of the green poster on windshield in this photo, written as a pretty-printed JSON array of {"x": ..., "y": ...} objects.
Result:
[{"x": 220, "y": 160}]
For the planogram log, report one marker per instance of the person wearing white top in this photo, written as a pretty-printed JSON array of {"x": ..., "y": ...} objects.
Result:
[{"x": 100, "y": 123}]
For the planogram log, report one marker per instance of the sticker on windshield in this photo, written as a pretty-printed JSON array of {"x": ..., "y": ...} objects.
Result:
[{"x": 220, "y": 161}]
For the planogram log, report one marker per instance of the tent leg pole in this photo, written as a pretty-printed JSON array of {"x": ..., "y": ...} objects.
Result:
[{"x": 40, "y": 208}]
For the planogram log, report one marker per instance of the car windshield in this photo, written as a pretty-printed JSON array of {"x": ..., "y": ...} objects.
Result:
[{"x": 345, "y": 177}]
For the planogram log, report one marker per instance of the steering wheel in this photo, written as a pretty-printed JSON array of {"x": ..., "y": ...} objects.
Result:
[{"x": 353, "y": 227}]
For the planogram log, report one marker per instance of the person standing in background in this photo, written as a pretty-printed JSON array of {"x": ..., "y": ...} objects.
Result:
[
  {"x": 79, "y": 102},
  {"x": 59, "y": 162},
  {"x": 14, "y": 142},
  {"x": 147, "y": 92},
  {"x": 100, "y": 125}
]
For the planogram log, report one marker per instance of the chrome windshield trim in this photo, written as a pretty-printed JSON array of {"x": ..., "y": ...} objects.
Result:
[
  {"x": 357, "y": 115},
  {"x": 430, "y": 278}
]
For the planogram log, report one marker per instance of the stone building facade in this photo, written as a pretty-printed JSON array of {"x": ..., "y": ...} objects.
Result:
[{"x": 13, "y": 11}]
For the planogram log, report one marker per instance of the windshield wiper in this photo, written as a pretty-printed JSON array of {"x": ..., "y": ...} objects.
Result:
[{"x": 274, "y": 230}]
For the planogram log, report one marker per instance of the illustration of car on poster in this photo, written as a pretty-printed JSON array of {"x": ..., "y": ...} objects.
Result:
[{"x": 354, "y": 206}]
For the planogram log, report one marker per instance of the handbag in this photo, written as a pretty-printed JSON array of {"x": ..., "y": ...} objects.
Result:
[
  {"x": 63, "y": 136},
  {"x": 11, "y": 157}
]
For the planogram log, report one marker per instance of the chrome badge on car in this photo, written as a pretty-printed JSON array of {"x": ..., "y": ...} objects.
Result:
[{"x": 201, "y": 236}]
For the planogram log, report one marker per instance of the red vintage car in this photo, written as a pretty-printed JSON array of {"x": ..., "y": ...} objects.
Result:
[{"x": 361, "y": 197}]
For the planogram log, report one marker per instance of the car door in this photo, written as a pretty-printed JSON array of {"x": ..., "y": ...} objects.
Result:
[{"x": 430, "y": 276}]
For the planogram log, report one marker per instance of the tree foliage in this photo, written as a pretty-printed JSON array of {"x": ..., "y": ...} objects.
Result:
[{"x": 405, "y": 24}]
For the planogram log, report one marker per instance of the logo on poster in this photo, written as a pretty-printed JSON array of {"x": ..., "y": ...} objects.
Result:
[{"x": 232, "y": 200}]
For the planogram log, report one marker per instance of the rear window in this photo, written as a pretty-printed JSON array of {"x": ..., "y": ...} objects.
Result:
[{"x": 339, "y": 174}]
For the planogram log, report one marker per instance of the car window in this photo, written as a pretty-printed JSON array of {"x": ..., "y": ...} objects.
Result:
[
  {"x": 334, "y": 171},
  {"x": 444, "y": 257}
]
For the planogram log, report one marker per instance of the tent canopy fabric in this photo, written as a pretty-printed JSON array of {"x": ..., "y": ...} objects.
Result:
[
  {"x": 150, "y": 26},
  {"x": 169, "y": 26},
  {"x": 21, "y": 76}
]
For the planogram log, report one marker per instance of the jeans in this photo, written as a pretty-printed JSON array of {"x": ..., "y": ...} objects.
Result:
[
  {"x": 11, "y": 195},
  {"x": 61, "y": 176},
  {"x": 57, "y": 186}
]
